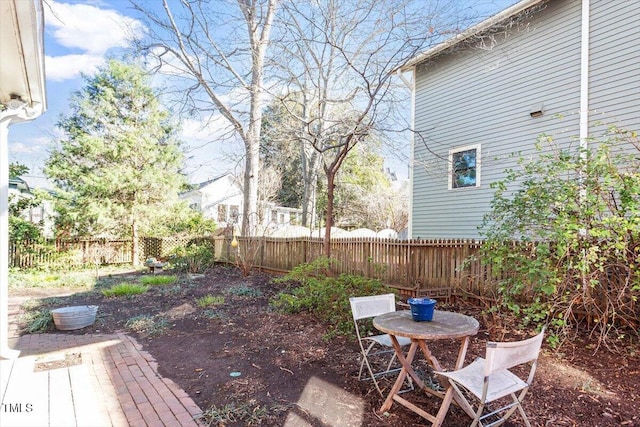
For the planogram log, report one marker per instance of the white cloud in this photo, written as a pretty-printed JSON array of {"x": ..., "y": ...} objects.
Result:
[
  {"x": 196, "y": 132},
  {"x": 65, "y": 67},
  {"x": 89, "y": 32},
  {"x": 18, "y": 148},
  {"x": 89, "y": 28}
]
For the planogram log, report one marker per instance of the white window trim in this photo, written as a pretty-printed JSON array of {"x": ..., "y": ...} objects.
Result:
[{"x": 476, "y": 147}]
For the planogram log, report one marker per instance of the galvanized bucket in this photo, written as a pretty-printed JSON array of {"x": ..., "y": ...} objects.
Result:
[{"x": 75, "y": 317}]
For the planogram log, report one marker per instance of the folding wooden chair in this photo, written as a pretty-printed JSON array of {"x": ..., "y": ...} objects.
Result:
[
  {"x": 489, "y": 380},
  {"x": 376, "y": 345}
]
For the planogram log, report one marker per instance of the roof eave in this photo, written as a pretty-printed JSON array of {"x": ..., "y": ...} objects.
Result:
[
  {"x": 469, "y": 32},
  {"x": 22, "y": 43}
]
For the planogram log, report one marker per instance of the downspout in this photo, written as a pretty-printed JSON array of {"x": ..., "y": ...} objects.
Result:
[
  {"x": 584, "y": 120},
  {"x": 584, "y": 77},
  {"x": 411, "y": 85}
]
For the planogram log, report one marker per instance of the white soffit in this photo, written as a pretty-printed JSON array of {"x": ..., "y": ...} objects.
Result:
[{"x": 22, "y": 52}]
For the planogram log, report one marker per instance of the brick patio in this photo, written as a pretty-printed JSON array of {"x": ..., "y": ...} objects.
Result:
[{"x": 88, "y": 380}]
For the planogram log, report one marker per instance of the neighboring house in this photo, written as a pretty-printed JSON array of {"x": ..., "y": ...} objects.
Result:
[
  {"x": 41, "y": 215},
  {"x": 221, "y": 198},
  {"x": 559, "y": 67},
  {"x": 22, "y": 98}
]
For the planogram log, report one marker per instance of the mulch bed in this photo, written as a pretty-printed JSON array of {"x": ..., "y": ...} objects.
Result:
[{"x": 252, "y": 366}]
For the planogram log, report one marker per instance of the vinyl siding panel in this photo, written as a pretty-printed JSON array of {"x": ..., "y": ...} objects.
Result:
[
  {"x": 484, "y": 96},
  {"x": 614, "y": 80}
]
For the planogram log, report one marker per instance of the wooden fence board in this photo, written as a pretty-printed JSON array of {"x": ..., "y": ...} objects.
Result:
[{"x": 414, "y": 266}]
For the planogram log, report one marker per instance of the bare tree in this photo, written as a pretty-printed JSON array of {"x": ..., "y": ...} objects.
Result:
[
  {"x": 219, "y": 48},
  {"x": 341, "y": 56},
  {"x": 270, "y": 182}
]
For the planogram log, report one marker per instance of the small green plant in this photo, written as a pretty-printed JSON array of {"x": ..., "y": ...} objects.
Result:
[
  {"x": 158, "y": 280},
  {"x": 38, "y": 321},
  {"x": 209, "y": 300},
  {"x": 212, "y": 314},
  {"x": 173, "y": 290},
  {"x": 147, "y": 325},
  {"x": 244, "y": 291},
  {"x": 125, "y": 289}
]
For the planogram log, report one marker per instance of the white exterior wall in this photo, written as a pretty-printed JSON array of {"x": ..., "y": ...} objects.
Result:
[{"x": 207, "y": 199}]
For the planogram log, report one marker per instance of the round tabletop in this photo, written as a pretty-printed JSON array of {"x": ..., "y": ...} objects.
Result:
[{"x": 445, "y": 324}]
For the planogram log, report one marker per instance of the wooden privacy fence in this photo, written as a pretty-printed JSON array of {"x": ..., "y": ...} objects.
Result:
[
  {"x": 416, "y": 267},
  {"x": 69, "y": 252}
]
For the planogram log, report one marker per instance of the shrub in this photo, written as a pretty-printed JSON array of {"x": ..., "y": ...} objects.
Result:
[
  {"x": 195, "y": 257},
  {"x": 577, "y": 218},
  {"x": 326, "y": 297}
]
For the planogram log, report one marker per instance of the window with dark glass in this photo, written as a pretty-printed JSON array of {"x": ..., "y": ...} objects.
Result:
[{"x": 464, "y": 167}]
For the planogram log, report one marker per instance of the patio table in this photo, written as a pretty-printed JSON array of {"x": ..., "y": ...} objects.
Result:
[{"x": 445, "y": 325}]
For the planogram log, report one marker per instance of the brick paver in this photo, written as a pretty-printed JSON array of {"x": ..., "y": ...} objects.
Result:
[{"x": 116, "y": 379}]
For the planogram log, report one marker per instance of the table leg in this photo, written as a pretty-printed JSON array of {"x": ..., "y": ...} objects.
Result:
[
  {"x": 406, "y": 369},
  {"x": 450, "y": 394}
]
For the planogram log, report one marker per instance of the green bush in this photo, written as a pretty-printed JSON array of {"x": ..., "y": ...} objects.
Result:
[
  {"x": 326, "y": 297},
  {"x": 195, "y": 257},
  {"x": 576, "y": 215}
]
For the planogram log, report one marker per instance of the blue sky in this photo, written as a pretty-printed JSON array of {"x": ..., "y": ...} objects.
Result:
[{"x": 79, "y": 36}]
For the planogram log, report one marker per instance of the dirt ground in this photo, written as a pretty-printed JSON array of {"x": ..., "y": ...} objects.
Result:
[{"x": 245, "y": 364}]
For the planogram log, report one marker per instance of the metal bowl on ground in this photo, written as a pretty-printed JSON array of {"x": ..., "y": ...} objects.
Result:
[{"x": 74, "y": 317}]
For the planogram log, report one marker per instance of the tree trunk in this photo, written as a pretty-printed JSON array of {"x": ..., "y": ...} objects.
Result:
[
  {"x": 250, "y": 197},
  {"x": 329, "y": 216},
  {"x": 135, "y": 256},
  {"x": 258, "y": 39},
  {"x": 310, "y": 180}
]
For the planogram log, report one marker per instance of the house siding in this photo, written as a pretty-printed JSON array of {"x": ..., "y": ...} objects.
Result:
[
  {"x": 614, "y": 79},
  {"x": 484, "y": 95}
]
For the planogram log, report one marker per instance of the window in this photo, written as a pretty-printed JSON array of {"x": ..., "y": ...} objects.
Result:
[
  {"x": 464, "y": 167},
  {"x": 222, "y": 213},
  {"x": 234, "y": 212}
]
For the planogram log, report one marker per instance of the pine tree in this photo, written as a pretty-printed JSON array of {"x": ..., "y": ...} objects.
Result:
[{"x": 119, "y": 161}]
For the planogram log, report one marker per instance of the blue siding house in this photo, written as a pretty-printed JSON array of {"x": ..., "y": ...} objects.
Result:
[{"x": 560, "y": 67}]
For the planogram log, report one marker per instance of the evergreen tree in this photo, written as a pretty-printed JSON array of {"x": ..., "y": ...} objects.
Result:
[{"x": 119, "y": 161}]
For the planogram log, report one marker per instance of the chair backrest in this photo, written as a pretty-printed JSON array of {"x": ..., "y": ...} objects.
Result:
[
  {"x": 505, "y": 355},
  {"x": 371, "y": 306}
]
